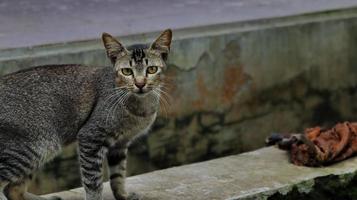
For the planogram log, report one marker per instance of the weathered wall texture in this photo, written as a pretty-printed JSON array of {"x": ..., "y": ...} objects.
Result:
[{"x": 229, "y": 91}]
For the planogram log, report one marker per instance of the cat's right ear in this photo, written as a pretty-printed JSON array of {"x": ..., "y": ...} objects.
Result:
[{"x": 113, "y": 47}]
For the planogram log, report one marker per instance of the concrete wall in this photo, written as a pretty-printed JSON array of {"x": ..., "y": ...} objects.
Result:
[{"x": 231, "y": 86}]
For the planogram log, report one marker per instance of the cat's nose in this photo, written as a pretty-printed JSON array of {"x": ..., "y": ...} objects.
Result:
[{"x": 140, "y": 85}]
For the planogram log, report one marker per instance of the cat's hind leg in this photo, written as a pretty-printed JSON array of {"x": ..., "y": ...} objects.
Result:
[
  {"x": 18, "y": 191},
  {"x": 15, "y": 191}
]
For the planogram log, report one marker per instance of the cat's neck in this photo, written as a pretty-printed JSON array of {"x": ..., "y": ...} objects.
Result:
[{"x": 142, "y": 105}]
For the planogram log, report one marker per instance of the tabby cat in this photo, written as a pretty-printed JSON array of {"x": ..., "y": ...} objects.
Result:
[{"x": 45, "y": 108}]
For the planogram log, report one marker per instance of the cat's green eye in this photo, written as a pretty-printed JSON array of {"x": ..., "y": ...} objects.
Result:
[
  {"x": 152, "y": 70},
  {"x": 127, "y": 71}
]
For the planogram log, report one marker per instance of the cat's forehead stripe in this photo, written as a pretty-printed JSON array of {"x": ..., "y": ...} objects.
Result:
[{"x": 138, "y": 55}]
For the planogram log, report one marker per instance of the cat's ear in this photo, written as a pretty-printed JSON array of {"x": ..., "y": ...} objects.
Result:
[
  {"x": 113, "y": 47},
  {"x": 163, "y": 43}
]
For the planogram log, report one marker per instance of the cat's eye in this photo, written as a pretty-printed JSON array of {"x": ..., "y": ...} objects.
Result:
[
  {"x": 127, "y": 71},
  {"x": 152, "y": 70}
]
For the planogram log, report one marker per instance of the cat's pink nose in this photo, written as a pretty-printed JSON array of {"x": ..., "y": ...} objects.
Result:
[{"x": 140, "y": 85}]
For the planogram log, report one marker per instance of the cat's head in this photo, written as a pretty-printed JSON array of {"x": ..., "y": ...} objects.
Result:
[{"x": 139, "y": 68}]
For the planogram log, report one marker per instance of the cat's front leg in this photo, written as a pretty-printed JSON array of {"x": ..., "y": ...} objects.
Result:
[
  {"x": 91, "y": 161},
  {"x": 116, "y": 157},
  {"x": 3, "y": 184}
]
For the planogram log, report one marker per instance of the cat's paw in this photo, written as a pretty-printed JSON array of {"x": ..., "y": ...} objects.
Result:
[
  {"x": 54, "y": 198},
  {"x": 134, "y": 196},
  {"x": 130, "y": 196},
  {"x": 29, "y": 196},
  {"x": 120, "y": 197}
]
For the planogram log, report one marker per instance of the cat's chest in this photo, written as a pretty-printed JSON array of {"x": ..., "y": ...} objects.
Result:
[
  {"x": 133, "y": 118},
  {"x": 131, "y": 125}
]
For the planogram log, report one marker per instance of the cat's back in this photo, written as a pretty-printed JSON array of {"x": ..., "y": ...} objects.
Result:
[
  {"x": 57, "y": 97},
  {"x": 44, "y": 73},
  {"x": 45, "y": 81}
]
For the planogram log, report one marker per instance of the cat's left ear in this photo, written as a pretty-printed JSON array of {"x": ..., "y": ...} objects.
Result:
[
  {"x": 163, "y": 43},
  {"x": 113, "y": 47}
]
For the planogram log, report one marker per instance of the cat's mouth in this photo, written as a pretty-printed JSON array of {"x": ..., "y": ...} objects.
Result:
[{"x": 141, "y": 91}]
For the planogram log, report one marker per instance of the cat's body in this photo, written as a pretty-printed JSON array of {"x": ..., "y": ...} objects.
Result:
[
  {"x": 53, "y": 103},
  {"x": 45, "y": 108}
]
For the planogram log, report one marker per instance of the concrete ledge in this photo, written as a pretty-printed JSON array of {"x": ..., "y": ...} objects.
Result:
[{"x": 261, "y": 174}]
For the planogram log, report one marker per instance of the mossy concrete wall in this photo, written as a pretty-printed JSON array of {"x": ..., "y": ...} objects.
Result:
[{"x": 231, "y": 86}]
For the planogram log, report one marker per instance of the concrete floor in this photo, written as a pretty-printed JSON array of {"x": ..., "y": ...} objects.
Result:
[
  {"x": 25, "y": 23},
  {"x": 255, "y": 175}
]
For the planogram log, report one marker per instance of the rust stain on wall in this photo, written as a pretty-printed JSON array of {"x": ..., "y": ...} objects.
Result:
[
  {"x": 203, "y": 93},
  {"x": 234, "y": 79}
]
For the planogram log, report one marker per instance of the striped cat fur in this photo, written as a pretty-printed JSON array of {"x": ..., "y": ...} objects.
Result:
[{"x": 45, "y": 108}]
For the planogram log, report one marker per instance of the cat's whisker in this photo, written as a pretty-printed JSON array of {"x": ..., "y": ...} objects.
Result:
[
  {"x": 110, "y": 114},
  {"x": 165, "y": 101},
  {"x": 124, "y": 98},
  {"x": 162, "y": 106},
  {"x": 165, "y": 98},
  {"x": 166, "y": 89},
  {"x": 116, "y": 88},
  {"x": 109, "y": 107},
  {"x": 119, "y": 102},
  {"x": 167, "y": 86},
  {"x": 169, "y": 81},
  {"x": 165, "y": 106},
  {"x": 162, "y": 101},
  {"x": 113, "y": 104},
  {"x": 165, "y": 94},
  {"x": 114, "y": 93},
  {"x": 111, "y": 99}
]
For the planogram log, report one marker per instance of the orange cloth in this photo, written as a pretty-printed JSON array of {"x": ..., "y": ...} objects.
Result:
[{"x": 318, "y": 147}]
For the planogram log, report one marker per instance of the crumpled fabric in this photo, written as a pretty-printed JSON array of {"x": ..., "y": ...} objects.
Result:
[{"x": 318, "y": 146}]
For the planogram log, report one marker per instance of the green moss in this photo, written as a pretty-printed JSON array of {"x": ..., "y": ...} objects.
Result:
[{"x": 332, "y": 187}]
